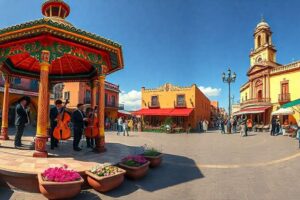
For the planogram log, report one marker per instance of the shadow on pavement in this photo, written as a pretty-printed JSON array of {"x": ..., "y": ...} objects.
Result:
[
  {"x": 167, "y": 175},
  {"x": 87, "y": 195},
  {"x": 5, "y": 193}
]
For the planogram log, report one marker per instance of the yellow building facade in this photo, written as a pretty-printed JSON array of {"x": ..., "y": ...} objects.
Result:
[
  {"x": 269, "y": 84},
  {"x": 186, "y": 105}
]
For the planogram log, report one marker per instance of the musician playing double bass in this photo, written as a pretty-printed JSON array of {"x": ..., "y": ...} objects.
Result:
[
  {"x": 54, "y": 112},
  {"x": 78, "y": 121}
]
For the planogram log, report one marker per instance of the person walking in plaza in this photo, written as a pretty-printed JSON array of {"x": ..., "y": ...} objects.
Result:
[
  {"x": 273, "y": 126},
  {"x": 243, "y": 126},
  {"x": 205, "y": 125},
  {"x": 200, "y": 126},
  {"x": 228, "y": 125},
  {"x": 125, "y": 127},
  {"x": 225, "y": 125},
  {"x": 246, "y": 125},
  {"x": 233, "y": 124},
  {"x": 22, "y": 119},
  {"x": 298, "y": 132},
  {"x": 222, "y": 126},
  {"x": 78, "y": 121},
  {"x": 120, "y": 125},
  {"x": 130, "y": 125},
  {"x": 53, "y": 122},
  {"x": 278, "y": 126},
  {"x": 249, "y": 125}
]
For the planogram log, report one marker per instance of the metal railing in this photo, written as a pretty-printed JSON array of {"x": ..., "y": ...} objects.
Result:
[
  {"x": 256, "y": 101},
  {"x": 283, "y": 98},
  {"x": 111, "y": 105}
]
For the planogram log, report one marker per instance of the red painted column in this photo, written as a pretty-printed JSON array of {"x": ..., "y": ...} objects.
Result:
[
  {"x": 100, "y": 141},
  {"x": 43, "y": 107},
  {"x": 5, "y": 109}
]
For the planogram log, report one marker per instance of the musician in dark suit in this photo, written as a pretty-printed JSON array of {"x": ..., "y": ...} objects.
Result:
[
  {"x": 78, "y": 120},
  {"x": 22, "y": 119},
  {"x": 53, "y": 121}
]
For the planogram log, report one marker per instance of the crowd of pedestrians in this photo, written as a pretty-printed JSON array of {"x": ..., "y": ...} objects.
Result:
[{"x": 126, "y": 125}]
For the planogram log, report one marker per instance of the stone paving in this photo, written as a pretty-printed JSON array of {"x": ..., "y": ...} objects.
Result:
[
  {"x": 208, "y": 166},
  {"x": 18, "y": 160}
]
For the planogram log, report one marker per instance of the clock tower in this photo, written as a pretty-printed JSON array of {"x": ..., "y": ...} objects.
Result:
[{"x": 264, "y": 50}]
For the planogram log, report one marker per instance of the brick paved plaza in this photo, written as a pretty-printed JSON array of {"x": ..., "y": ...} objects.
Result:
[{"x": 207, "y": 166}]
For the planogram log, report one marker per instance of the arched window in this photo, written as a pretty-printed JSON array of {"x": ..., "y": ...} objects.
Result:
[
  {"x": 259, "y": 41},
  {"x": 267, "y": 39}
]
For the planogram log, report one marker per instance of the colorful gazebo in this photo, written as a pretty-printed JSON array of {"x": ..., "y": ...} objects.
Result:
[{"x": 52, "y": 50}]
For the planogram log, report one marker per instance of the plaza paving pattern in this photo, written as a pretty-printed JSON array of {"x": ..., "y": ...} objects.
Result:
[{"x": 208, "y": 166}]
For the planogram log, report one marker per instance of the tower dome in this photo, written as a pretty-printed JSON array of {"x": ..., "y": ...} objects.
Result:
[
  {"x": 262, "y": 24},
  {"x": 56, "y": 10}
]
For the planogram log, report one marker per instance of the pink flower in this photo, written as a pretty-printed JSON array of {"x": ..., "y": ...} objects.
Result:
[
  {"x": 60, "y": 174},
  {"x": 136, "y": 158}
]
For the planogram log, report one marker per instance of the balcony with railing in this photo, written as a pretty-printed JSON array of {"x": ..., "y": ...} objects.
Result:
[
  {"x": 256, "y": 101},
  {"x": 179, "y": 104},
  {"x": 284, "y": 98},
  {"x": 112, "y": 105},
  {"x": 153, "y": 104}
]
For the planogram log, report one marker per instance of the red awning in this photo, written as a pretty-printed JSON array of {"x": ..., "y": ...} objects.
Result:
[
  {"x": 252, "y": 110},
  {"x": 180, "y": 112}
]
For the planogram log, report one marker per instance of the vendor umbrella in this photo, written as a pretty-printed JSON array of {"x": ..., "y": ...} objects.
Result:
[
  {"x": 293, "y": 104},
  {"x": 283, "y": 111}
]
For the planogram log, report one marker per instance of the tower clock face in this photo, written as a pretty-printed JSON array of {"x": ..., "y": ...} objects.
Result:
[{"x": 258, "y": 59}]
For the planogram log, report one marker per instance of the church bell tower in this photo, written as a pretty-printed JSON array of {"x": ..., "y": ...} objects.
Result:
[{"x": 264, "y": 50}]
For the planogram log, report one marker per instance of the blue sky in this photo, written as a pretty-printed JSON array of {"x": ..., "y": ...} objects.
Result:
[{"x": 177, "y": 41}]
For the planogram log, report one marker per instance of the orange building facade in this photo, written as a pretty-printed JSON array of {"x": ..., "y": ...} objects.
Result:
[
  {"x": 187, "y": 106},
  {"x": 79, "y": 92}
]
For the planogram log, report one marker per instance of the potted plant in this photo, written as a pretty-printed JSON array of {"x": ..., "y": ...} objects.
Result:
[
  {"x": 153, "y": 155},
  {"x": 136, "y": 166},
  {"x": 60, "y": 183},
  {"x": 105, "y": 178},
  {"x": 168, "y": 125}
]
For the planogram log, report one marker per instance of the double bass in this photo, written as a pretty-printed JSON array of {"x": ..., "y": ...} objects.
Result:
[
  {"x": 92, "y": 130},
  {"x": 62, "y": 131}
]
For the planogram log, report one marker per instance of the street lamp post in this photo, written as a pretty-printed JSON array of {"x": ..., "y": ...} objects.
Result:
[{"x": 230, "y": 78}]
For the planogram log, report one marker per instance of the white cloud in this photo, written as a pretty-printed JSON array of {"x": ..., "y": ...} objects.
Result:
[
  {"x": 131, "y": 100},
  {"x": 210, "y": 91}
]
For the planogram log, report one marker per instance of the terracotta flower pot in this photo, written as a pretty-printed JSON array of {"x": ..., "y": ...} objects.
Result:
[
  {"x": 155, "y": 161},
  {"x": 135, "y": 172},
  {"x": 105, "y": 183},
  {"x": 59, "y": 190}
]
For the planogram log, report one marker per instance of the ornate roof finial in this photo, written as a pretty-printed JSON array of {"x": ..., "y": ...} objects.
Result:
[
  {"x": 262, "y": 23},
  {"x": 262, "y": 18},
  {"x": 56, "y": 8}
]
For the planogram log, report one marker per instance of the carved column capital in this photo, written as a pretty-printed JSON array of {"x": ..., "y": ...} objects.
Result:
[{"x": 101, "y": 69}]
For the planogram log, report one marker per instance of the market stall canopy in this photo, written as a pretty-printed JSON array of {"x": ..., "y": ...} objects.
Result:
[
  {"x": 75, "y": 55},
  {"x": 283, "y": 111},
  {"x": 291, "y": 104},
  {"x": 123, "y": 113},
  {"x": 180, "y": 112},
  {"x": 252, "y": 110}
]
